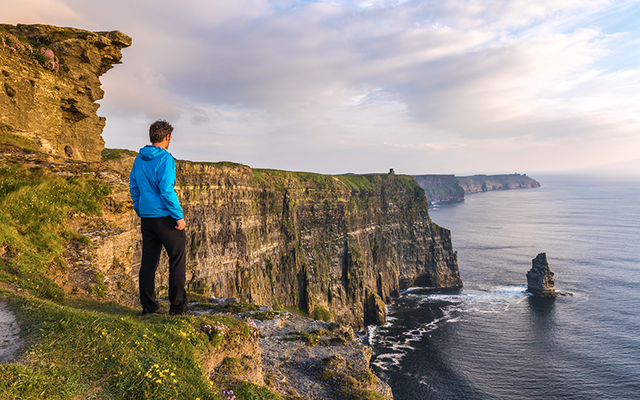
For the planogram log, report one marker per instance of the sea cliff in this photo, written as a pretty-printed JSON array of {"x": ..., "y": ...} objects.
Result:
[
  {"x": 450, "y": 188},
  {"x": 323, "y": 244}
]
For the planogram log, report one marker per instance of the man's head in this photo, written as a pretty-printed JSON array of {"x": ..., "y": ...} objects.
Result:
[{"x": 159, "y": 130}]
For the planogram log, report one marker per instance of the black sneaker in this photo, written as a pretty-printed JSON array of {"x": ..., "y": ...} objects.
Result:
[
  {"x": 186, "y": 311},
  {"x": 159, "y": 310}
]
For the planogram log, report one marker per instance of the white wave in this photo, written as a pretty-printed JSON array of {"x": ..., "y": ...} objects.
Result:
[{"x": 388, "y": 360}]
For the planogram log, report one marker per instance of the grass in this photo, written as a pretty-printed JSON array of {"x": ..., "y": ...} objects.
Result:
[
  {"x": 34, "y": 207},
  {"x": 116, "y": 154},
  {"x": 351, "y": 384},
  {"x": 14, "y": 140},
  {"x": 108, "y": 350}
]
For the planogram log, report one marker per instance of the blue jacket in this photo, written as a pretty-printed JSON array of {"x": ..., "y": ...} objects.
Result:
[{"x": 151, "y": 184}]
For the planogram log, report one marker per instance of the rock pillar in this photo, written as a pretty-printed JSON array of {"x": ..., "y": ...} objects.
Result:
[{"x": 540, "y": 280}]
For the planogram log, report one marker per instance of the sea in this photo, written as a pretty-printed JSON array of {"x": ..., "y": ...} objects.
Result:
[{"x": 490, "y": 339}]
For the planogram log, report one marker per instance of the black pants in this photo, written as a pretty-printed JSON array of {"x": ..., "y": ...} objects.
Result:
[{"x": 156, "y": 233}]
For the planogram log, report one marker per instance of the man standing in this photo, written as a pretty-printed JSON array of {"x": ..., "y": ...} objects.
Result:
[{"x": 155, "y": 201}]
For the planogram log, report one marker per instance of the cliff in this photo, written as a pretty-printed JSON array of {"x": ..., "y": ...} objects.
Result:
[
  {"x": 448, "y": 188},
  {"x": 50, "y": 79},
  {"x": 323, "y": 244},
  {"x": 483, "y": 183},
  {"x": 440, "y": 188},
  {"x": 335, "y": 247}
]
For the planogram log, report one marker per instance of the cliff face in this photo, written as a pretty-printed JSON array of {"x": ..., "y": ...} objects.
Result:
[
  {"x": 324, "y": 244},
  {"x": 51, "y": 83},
  {"x": 440, "y": 188},
  {"x": 483, "y": 183}
]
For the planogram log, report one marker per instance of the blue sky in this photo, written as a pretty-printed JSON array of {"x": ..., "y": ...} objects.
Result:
[{"x": 456, "y": 86}]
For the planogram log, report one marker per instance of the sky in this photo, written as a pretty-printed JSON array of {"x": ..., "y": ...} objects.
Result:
[{"x": 361, "y": 86}]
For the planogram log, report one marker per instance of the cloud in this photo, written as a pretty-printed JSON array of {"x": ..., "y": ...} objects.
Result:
[{"x": 356, "y": 85}]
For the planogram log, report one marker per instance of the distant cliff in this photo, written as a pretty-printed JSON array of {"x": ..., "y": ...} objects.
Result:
[
  {"x": 446, "y": 188},
  {"x": 329, "y": 245},
  {"x": 483, "y": 183},
  {"x": 440, "y": 188},
  {"x": 50, "y": 78}
]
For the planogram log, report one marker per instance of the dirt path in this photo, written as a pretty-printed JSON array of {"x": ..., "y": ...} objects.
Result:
[{"x": 10, "y": 341}]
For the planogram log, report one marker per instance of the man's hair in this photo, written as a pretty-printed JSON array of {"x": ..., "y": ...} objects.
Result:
[{"x": 159, "y": 130}]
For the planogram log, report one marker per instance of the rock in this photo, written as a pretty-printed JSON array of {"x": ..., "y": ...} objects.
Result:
[
  {"x": 10, "y": 342},
  {"x": 53, "y": 103},
  {"x": 375, "y": 310},
  {"x": 540, "y": 279},
  {"x": 316, "y": 360}
]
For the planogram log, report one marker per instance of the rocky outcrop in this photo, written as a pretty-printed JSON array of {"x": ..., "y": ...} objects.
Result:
[
  {"x": 484, "y": 183},
  {"x": 440, "y": 188},
  {"x": 317, "y": 360},
  {"x": 375, "y": 310},
  {"x": 51, "y": 84},
  {"x": 540, "y": 280}
]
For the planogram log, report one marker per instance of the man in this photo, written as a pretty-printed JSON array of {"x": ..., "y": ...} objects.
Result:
[{"x": 162, "y": 223}]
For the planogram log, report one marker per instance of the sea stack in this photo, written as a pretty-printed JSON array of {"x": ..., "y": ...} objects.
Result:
[{"x": 540, "y": 279}]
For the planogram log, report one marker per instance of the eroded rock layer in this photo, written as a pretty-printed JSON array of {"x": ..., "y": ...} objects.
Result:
[{"x": 50, "y": 85}]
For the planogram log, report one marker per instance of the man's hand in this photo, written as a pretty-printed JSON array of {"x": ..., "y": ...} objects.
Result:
[{"x": 180, "y": 224}]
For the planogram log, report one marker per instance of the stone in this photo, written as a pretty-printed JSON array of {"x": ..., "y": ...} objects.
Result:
[
  {"x": 540, "y": 280},
  {"x": 54, "y": 105},
  {"x": 375, "y": 310}
]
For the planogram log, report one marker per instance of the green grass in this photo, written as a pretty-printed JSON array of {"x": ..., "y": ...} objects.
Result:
[
  {"x": 34, "y": 207},
  {"x": 14, "y": 140},
  {"x": 115, "y": 154},
  {"x": 321, "y": 313},
  {"x": 108, "y": 350}
]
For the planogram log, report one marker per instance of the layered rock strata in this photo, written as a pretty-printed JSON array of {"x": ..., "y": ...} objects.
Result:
[
  {"x": 540, "y": 280},
  {"x": 319, "y": 243},
  {"x": 51, "y": 84}
]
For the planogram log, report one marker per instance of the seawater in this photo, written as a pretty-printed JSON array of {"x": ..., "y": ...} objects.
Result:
[{"x": 490, "y": 340}]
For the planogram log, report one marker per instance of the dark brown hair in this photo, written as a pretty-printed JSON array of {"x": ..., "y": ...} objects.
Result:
[{"x": 159, "y": 130}]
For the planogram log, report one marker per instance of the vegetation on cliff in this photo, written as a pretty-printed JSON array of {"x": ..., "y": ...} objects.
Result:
[
  {"x": 87, "y": 348},
  {"x": 34, "y": 206}
]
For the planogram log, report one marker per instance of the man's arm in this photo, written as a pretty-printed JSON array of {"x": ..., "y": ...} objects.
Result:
[
  {"x": 134, "y": 191},
  {"x": 166, "y": 183}
]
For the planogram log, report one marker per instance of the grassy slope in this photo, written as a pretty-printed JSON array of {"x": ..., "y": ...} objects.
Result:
[
  {"x": 82, "y": 348},
  {"x": 92, "y": 349}
]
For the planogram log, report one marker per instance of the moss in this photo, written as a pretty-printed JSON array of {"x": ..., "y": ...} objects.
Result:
[
  {"x": 321, "y": 313},
  {"x": 351, "y": 384}
]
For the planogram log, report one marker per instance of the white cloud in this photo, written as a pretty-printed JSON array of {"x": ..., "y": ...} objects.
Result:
[{"x": 335, "y": 86}]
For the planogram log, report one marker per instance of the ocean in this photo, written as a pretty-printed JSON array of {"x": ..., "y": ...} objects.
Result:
[{"x": 490, "y": 340}]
